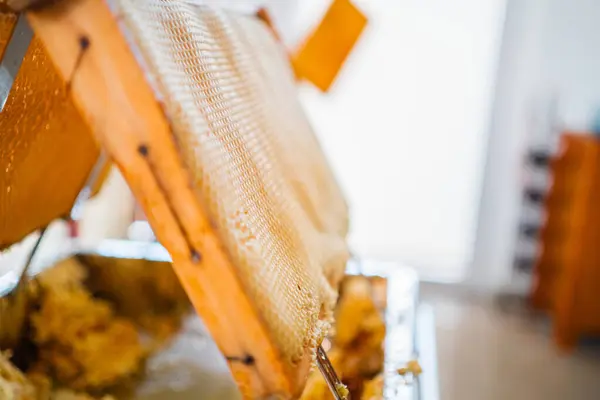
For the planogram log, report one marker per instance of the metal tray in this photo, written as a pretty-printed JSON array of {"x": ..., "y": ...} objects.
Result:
[{"x": 192, "y": 367}]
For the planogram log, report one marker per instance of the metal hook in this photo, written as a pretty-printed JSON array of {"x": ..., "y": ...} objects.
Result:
[{"x": 91, "y": 181}]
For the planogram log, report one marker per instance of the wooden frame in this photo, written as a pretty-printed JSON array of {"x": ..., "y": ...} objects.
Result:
[
  {"x": 110, "y": 90},
  {"x": 567, "y": 277}
]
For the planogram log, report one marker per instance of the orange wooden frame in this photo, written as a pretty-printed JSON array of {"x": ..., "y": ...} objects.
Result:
[
  {"x": 567, "y": 277},
  {"x": 109, "y": 88}
]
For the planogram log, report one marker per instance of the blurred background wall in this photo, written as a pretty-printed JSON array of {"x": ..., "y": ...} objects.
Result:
[
  {"x": 406, "y": 126},
  {"x": 429, "y": 121},
  {"x": 549, "y": 54}
]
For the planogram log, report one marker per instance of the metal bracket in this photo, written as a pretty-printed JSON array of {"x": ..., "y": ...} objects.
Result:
[{"x": 13, "y": 57}]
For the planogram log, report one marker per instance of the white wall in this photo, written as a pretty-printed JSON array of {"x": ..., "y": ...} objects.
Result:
[
  {"x": 405, "y": 128},
  {"x": 572, "y": 58},
  {"x": 550, "y": 47}
]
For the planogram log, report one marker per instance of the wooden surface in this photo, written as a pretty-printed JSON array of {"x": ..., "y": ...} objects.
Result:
[
  {"x": 567, "y": 275},
  {"x": 84, "y": 41}
]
